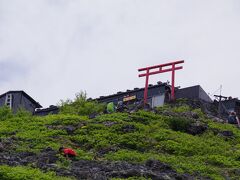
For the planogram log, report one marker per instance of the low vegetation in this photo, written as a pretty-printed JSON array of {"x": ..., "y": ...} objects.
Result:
[
  {"x": 20, "y": 173},
  {"x": 135, "y": 137}
]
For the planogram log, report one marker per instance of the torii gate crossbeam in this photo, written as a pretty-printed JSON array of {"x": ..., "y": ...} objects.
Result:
[{"x": 159, "y": 69}]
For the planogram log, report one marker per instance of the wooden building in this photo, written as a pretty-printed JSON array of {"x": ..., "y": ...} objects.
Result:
[{"x": 19, "y": 99}]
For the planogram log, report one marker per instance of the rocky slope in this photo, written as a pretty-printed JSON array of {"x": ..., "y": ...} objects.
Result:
[{"x": 177, "y": 141}]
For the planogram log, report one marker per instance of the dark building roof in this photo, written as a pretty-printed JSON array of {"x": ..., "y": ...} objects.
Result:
[
  {"x": 26, "y": 95},
  {"x": 134, "y": 91},
  {"x": 193, "y": 92},
  {"x": 50, "y": 110}
]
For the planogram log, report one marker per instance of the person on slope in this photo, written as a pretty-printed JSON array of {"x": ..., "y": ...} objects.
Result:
[
  {"x": 110, "y": 108},
  {"x": 68, "y": 152},
  {"x": 233, "y": 119}
]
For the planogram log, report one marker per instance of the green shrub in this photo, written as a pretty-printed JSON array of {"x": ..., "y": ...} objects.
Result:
[
  {"x": 26, "y": 173},
  {"x": 63, "y": 162},
  {"x": 81, "y": 106},
  {"x": 165, "y": 107},
  {"x": 114, "y": 117},
  {"x": 199, "y": 112},
  {"x": 5, "y": 113},
  {"x": 21, "y": 112},
  {"x": 127, "y": 155},
  {"x": 84, "y": 155},
  {"x": 144, "y": 117},
  {"x": 179, "y": 123},
  {"x": 181, "y": 109},
  {"x": 221, "y": 161}
]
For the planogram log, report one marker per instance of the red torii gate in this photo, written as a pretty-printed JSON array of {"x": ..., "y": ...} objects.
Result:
[{"x": 159, "y": 69}]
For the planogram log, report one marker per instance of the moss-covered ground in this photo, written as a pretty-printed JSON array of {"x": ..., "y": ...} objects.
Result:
[{"x": 134, "y": 137}]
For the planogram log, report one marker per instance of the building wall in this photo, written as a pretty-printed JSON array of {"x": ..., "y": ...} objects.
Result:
[
  {"x": 19, "y": 101},
  {"x": 237, "y": 107},
  {"x": 152, "y": 91},
  {"x": 26, "y": 104},
  {"x": 2, "y": 101},
  {"x": 189, "y": 92},
  {"x": 194, "y": 92},
  {"x": 203, "y": 95}
]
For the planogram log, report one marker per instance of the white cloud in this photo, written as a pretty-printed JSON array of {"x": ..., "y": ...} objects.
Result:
[{"x": 97, "y": 46}]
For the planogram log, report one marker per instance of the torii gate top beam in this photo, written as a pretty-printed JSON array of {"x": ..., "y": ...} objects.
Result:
[{"x": 161, "y": 65}]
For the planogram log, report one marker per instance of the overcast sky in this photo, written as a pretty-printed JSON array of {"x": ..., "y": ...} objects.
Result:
[{"x": 53, "y": 49}]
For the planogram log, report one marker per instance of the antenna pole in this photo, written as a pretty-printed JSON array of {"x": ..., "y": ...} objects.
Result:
[
  {"x": 220, "y": 90},
  {"x": 220, "y": 97}
]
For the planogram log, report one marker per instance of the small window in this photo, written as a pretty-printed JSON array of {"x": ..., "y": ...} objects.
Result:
[{"x": 8, "y": 100}]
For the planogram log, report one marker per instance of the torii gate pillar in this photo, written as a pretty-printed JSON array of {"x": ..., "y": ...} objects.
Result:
[{"x": 170, "y": 67}]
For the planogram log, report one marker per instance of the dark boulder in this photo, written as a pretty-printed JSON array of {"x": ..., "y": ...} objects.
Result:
[
  {"x": 93, "y": 115},
  {"x": 195, "y": 115},
  {"x": 96, "y": 170},
  {"x": 128, "y": 128},
  {"x": 47, "y": 156},
  {"x": 109, "y": 123},
  {"x": 227, "y": 134},
  {"x": 158, "y": 166},
  {"x": 2, "y": 147},
  {"x": 106, "y": 170},
  {"x": 190, "y": 115},
  {"x": 197, "y": 128},
  {"x": 101, "y": 152},
  {"x": 70, "y": 129}
]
